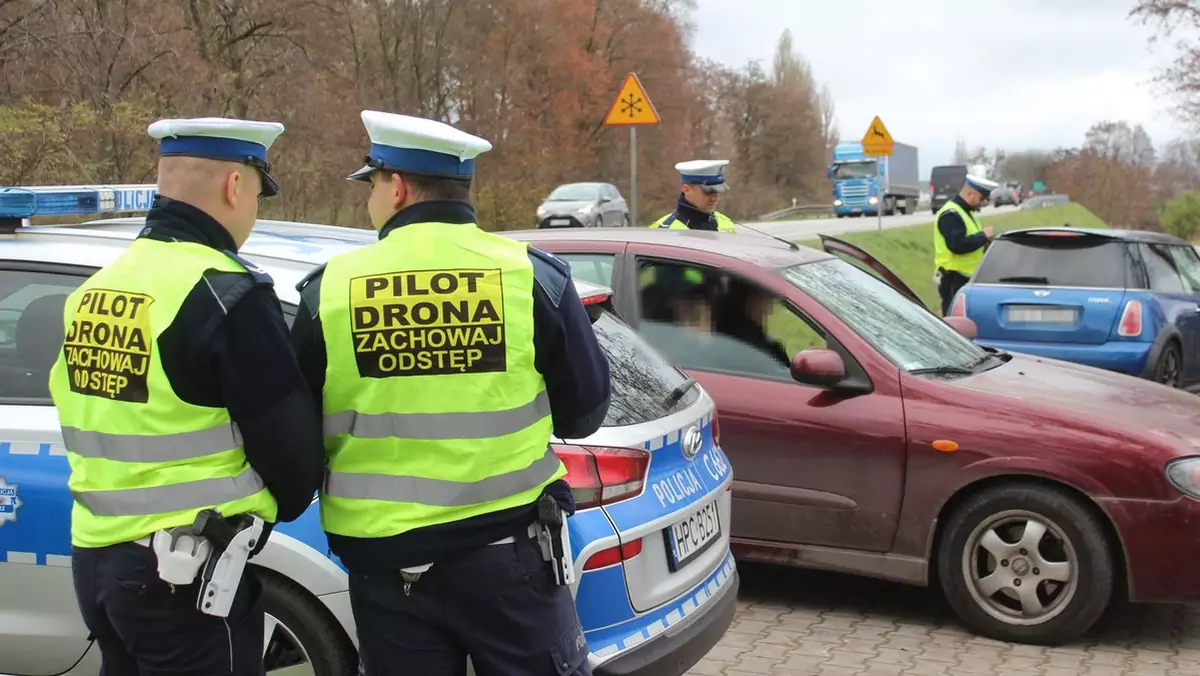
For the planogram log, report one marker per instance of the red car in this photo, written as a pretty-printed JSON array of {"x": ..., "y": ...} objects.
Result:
[{"x": 870, "y": 437}]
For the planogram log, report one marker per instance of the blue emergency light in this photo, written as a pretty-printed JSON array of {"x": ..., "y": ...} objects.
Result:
[{"x": 74, "y": 200}]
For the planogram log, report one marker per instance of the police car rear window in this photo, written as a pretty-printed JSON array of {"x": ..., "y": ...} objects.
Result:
[
  {"x": 1072, "y": 261},
  {"x": 641, "y": 377}
]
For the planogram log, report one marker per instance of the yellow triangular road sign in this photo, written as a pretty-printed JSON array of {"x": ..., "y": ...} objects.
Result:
[
  {"x": 877, "y": 140},
  {"x": 632, "y": 105}
]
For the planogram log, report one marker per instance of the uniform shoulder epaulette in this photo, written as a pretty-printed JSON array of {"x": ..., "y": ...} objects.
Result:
[
  {"x": 260, "y": 276},
  {"x": 313, "y": 274},
  {"x": 551, "y": 273}
]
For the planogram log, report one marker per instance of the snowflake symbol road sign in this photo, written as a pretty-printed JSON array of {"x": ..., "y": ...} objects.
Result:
[{"x": 632, "y": 106}]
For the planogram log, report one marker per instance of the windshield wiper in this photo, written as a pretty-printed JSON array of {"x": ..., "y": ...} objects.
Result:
[
  {"x": 1031, "y": 280},
  {"x": 976, "y": 363},
  {"x": 677, "y": 393},
  {"x": 947, "y": 370}
]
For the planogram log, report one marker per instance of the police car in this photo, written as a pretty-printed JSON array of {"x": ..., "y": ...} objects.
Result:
[{"x": 655, "y": 581}]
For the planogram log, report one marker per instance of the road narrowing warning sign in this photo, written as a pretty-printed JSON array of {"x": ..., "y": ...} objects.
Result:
[
  {"x": 428, "y": 322},
  {"x": 108, "y": 346}
]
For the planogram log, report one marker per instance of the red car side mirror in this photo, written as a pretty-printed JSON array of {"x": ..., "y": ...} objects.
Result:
[{"x": 820, "y": 367}]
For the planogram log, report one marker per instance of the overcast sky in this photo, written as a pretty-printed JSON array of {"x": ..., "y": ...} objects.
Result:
[{"x": 1013, "y": 74}]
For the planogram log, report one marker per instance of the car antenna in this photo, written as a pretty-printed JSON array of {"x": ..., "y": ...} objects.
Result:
[{"x": 791, "y": 245}]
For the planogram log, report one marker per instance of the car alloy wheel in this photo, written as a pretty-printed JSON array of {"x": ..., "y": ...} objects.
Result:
[
  {"x": 1026, "y": 562},
  {"x": 283, "y": 654},
  {"x": 1167, "y": 371},
  {"x": 1021, "y": 567}
]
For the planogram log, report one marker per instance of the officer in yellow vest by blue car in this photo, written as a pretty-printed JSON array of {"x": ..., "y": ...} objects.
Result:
[
  {"x": 958, "y": 239},
  {"x": 188, "y": 425},
  {"x": 702, "y": 184},
  {"x": 445, "y": 358}
]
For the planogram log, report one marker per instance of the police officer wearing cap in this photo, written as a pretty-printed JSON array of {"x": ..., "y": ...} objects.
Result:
[
  {"x": 445, "y": 357},
  {"x": 178, "y": 392},
  {"x": 958, "y": 239},
  {"x": 703, "y": 183}
]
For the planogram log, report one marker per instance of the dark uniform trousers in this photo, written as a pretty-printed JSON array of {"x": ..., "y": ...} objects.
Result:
[
  {"x": 949, "y": 285},
  {"x": 146, "y": 627},
  {"x": 498, "y": 604}
]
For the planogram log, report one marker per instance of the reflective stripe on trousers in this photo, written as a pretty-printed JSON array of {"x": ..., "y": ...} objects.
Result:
[
  {"x": 441, "y": 492},
  {"x": 148, "y": 448},
  {"x": 171, "y": 498},
  {"x": 438, "y": 426}
]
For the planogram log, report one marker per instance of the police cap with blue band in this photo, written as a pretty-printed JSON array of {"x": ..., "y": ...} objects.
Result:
[
  {"x": 708, "y": 174},
  {"x": 415, "y": 145},
  {"x": 221, "y": 138},
  {"x": 983, "y": 185}
]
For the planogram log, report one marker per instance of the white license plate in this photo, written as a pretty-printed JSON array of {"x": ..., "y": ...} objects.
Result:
[
  {"x": 686, "y": 539},
  {"x": 1053, "y": 315},
  {"x": 560, "y": 221}
]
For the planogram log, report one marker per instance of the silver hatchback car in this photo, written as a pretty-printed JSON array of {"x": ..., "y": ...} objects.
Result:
[
  {"x": 583, "y": 205},
  {"x": 655, "y": 581}
]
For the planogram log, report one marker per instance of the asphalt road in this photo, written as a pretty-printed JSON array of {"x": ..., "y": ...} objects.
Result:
[{"x": 809, "y": 229}]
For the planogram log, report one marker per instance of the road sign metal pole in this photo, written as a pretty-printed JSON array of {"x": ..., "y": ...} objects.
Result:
[
  {"x": 882, "y": 193},
  {"x": 633, "y": 205}
]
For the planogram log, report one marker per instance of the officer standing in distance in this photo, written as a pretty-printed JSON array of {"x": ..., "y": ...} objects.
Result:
[
  {"x": 958, "y": 240},
  {"x": 179, "y": 393},
  {"x": 444, "y": 358},
  {"x": 703, "y": 183}
]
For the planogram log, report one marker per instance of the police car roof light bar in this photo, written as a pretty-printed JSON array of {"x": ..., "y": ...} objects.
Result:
[{"x": 20, "y": 203}]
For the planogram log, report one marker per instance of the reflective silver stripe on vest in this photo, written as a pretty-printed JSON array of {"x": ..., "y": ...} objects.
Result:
[
  {"x": 163, "y": 499},
  {"x": 436, "y": 426},
  {"x": 156, "y": 448},
  {"x": 439, "y": 492}
]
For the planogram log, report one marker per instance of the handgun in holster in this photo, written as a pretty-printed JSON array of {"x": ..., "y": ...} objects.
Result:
[
  {"x": 232, "y": 541},
  {"x": 554, "y": 539}
]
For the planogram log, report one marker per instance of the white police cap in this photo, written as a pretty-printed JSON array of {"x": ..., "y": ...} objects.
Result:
[
  {"x": 416, "y": 145},
  {"x": 710, "y": 174},
  {"x": 220, "y": 138},
  {"x": 981, "y": 183}
]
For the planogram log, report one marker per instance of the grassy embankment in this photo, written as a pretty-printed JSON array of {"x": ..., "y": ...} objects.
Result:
[{"x": 908, "y": 251}]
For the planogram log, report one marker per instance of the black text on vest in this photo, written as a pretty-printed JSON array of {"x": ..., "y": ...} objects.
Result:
[
  {"x": 428, "y": 322},
  {"x": 107, "y": 347}
]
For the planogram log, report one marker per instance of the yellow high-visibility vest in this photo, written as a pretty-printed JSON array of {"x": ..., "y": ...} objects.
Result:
[
  {"x": 434, "y": 411},
  {"x": 141, "y": 458},
  {"x": 948, "y": 260}
]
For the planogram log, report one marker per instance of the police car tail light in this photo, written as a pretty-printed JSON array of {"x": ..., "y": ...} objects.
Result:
[
  {"x": 74, "y": 200},
  {"x": 959, "y": 307},
  {"x": 602, "y": 476},
  {"x": 613, "y": 555},
  {"x": 1131, "y": 320}
]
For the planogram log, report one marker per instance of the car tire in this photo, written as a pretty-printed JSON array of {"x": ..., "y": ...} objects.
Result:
[
  {"x": 299, "y": 631},
  {"x": 1169, "y": 367},
  {"x": 625, "y": 221},
  {"x": 985, "y": 537}
]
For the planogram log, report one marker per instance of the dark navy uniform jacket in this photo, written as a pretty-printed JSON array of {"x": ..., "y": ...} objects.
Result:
[
  {"x": 954, "y": 231},
  {"x": 566, "y": 353},
  {"x": 228, "y": 347}
]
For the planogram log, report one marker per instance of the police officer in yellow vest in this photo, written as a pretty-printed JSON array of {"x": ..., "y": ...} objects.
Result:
[
  {"x": 703, "y": 183},
  {"x": 188, "y": 425},
  {"x": 958, "y": 240},
  {"x": 446, "y": 357}
]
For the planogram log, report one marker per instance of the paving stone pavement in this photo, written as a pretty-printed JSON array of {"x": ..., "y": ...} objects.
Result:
[{"x": 800, "y": 623}]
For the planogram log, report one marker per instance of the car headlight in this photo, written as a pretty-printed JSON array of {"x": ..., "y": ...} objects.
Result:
[
  {"x": 874, "y": 200},
  {"x": 837, "y": 203},
  {"x": 1184, "y": 474},
  {"x": 541, "y": 212},
  {"x": 585, "y": 211}
]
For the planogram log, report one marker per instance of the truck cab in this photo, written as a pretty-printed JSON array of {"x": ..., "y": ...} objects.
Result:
[{"x": 864, "y": 184}]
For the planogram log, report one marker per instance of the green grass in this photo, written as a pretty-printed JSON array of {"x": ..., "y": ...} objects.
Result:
[{"x": 908, "y": 251}]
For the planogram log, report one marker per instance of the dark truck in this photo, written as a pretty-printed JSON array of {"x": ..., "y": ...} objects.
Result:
[{"x": 944, "y": 184}]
